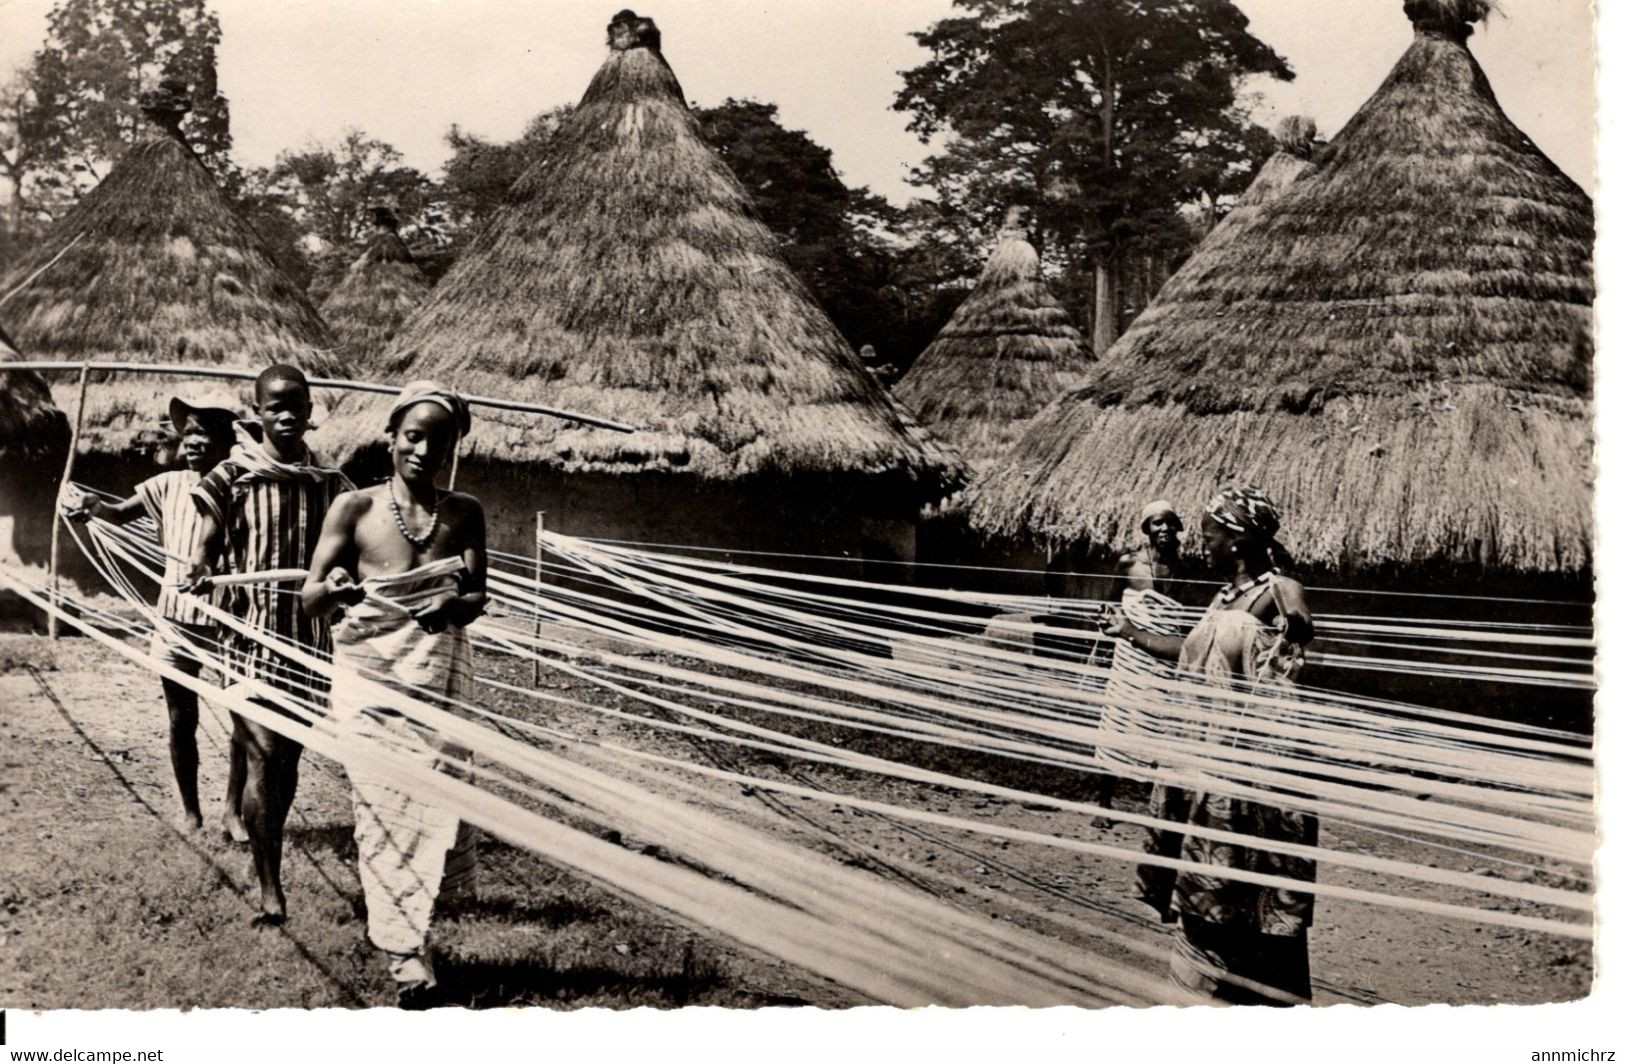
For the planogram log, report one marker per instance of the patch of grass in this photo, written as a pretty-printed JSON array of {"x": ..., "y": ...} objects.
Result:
[{"x": 18, "y": 651}]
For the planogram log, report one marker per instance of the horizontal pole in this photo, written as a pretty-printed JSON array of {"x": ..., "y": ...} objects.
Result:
[{"x": 315, "y": 382}]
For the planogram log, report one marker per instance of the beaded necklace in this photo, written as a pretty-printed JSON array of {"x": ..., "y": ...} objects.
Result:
[
  {"x": 420, "y": 542},
  {"x": 1231, "y": 594}
]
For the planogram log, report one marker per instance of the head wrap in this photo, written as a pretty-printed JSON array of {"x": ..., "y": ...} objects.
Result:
[
  {"x": 1246, "y": 510},
  {"x": 1159, "y": 508},
  {"x": 212, "y": 410},
  {"x": 430, "y": 392}
]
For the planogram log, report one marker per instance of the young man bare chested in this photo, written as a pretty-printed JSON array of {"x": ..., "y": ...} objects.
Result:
[{"x": 405, "y": 564}]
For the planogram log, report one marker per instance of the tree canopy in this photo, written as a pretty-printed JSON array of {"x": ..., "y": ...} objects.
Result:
[
  {"x": 1103, "y": 117},
  {"x": 99, "y": 56}
]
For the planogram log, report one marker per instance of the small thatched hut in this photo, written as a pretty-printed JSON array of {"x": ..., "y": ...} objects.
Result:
[
  {"x": 155, "y": 266},
  {"x": 1296, "y": 140},
  {"x": 378, "y": 293},
  {"x": 1005, "y": 354},
  {"x": 33, "y": 446},
  {"x": 1397, "y": 345},
  {"x": 627, "y": 278}
]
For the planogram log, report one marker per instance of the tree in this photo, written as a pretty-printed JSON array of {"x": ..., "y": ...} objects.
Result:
[
  {"x": 24, "y": 129},
  {"x": 327, "y": 190},
  {"x": 841, "y": 241},
  {"x": 481, "y": 171},
  {"x": 268, "y": 206},
  {"x": 1104, "y": 117},
  {"x": 99, "y": 56}
]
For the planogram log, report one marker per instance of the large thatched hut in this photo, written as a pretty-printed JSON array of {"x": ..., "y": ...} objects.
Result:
[
  {"x": 33, "y": 445},
  {"x": 1397, "y": 344},
  {"x": 627, "y": 278},
  {"x": 155, "y": 266},
  {"x": 377, "y": 294},
  {"x": 1008, "y": 350}
]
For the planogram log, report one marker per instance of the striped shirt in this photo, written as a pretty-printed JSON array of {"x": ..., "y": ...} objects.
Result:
[
  {"x": 271, "y": 520},
  {"x": 167, "y": 499}
]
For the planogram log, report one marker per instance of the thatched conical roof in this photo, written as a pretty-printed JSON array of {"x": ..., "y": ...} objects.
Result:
[
  {"x": 163, "y": 270},
  {"x": 1397, "y": 346},
  {"x": 1008, "y": 350},
  {"x": 378, "y": 293},
  {"x": 627, "y": 278},
  {"x": 1296, "y": 140},
  {"x": 31, "y": 427}
]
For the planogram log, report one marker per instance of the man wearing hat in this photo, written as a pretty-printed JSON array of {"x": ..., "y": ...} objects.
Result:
[{"x": 204, "y": 426}]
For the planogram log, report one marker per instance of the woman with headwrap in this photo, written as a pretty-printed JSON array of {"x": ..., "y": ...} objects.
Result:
[
  {"x": 402, "y": 567},
  {"x": 1236, "y": 942},
  {"x": 1149, "y": 577}
]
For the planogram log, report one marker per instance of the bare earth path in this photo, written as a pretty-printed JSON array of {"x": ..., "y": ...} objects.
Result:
[{"x": 104, "y": 904}]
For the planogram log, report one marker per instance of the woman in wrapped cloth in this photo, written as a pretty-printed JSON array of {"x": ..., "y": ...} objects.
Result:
[
  {"x": 1131, "y": 687},
  {"x": 405, "y": 564},
  {"x": 1235, "y": 942}
]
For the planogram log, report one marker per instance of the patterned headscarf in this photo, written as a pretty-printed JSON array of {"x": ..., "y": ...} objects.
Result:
[
  {"x": 430, "y": 392},
  {"x": 1245, "y": 509}
]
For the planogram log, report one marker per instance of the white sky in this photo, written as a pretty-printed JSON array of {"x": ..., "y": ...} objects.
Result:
[{"x": 404, "y": 70}]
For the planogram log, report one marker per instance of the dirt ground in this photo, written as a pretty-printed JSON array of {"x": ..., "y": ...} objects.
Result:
[{"x": 103, "y": 903}]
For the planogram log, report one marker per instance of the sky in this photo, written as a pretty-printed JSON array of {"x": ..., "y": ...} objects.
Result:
[{"x": 405, "y": 70}]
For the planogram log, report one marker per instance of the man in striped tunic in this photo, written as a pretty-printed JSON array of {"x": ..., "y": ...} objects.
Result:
[
  {"x": 205, "y": 429},
  {"x": 265, "y": 504}
]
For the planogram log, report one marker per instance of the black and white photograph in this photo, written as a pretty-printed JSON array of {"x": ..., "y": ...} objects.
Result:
[{"x": 530, "y": 506}]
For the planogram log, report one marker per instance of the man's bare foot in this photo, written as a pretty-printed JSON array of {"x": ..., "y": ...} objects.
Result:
[
  {"x": 232, "y": 828},
  {"x": 273, "y": 910},
  {"x": 1103, "y": 822},
  {"x": 191, "y": 823}
]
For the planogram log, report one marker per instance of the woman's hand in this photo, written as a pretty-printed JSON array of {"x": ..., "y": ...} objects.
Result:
[
  {"x": 434, "y": 616},
  {"x": 341, "y": 588},
  {"x": 1114, "y": 622},
  {"x": 197, "y": 579},
  {"x": 81, "y": 508}
]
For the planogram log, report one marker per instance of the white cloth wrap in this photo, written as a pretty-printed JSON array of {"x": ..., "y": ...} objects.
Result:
[
  {"x": 1136, "y": 683},
  {"x": 402, "y": 840}
]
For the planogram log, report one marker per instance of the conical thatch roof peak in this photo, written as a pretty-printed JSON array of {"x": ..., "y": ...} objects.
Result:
[
  {"x": 1397, "y": 345},
  {"x": 628, "y": 278},
  {"x": 1452, "y": 19},
  {"x": 1007, "y": 351},
  {"x": 166, "y": 105},
  {"x": 379, "y": 291},
  {"x": 156, "y": 266}
]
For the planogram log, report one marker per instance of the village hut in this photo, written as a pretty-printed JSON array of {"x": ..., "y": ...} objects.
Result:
[
  {"x": 33, "y": 446},
  {"x": 155, "y": 266},
  {"x": 628, "y": 278},
  {"x": 1005, "y": 354},
  {"x": 1397, "y": 345},
  {"x": 377, "y": 294},
  {"x": 1296, "y": 140}
]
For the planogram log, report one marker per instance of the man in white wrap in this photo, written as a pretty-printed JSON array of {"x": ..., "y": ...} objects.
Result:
[{"x": 404, "y": 563}]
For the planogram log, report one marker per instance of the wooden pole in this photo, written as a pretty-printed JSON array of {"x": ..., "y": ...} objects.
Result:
[
  {"x": 536, "y": 657},
  {"x": 56, "y": 514},
  {"x": 316, "y": 382}
]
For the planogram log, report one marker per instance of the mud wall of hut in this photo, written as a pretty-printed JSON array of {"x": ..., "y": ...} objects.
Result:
[{"x": 858, "y": 526}]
